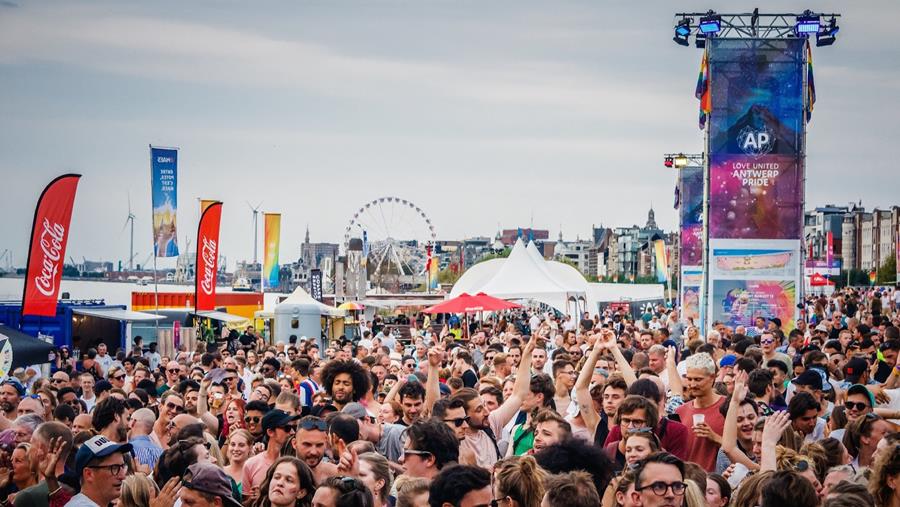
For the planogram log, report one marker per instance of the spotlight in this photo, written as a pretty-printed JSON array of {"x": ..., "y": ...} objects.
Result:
[
  {"x": 669, "y": 162},
  {"x": 680, "y": 160},
  {"x": 682, "y": 31},
  {"x": 700, "y": 41},
  {"x": 806, "y": 24},
  {"x": 828, "y": 35},
  {"x": 711, "y": 23}
]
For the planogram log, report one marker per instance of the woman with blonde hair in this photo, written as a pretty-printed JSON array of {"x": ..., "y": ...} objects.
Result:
[
  {"x": 519, "y": 482},
  {"x": 238, "y": 449},
  {"x": 375, "y": 473},
  {"x": 137, "y": 491}
]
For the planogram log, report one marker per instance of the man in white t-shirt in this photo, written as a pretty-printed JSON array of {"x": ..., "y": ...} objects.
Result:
[{"x": 103, "y": 358}]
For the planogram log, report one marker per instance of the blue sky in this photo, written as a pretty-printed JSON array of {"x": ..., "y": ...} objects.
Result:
[{"x": 482, "y": 113}]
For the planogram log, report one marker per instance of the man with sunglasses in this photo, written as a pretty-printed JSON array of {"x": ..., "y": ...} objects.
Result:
[
  {"x": 170, "y": 405},
  {"x": 860, "y": 401},
  {"x": 310, "y": 444},
  {"x": 253, "y": 415},
  {"x": 279, "y": 427},
  {"x": 173, "y": 377},
  {"x": 100, "y": 465},
  {"x": 659, "y": 481},
  {"x": 767, "y": 343}
]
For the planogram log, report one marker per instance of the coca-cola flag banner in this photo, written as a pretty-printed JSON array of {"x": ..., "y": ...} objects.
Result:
[
  {"x": 164, "y": 190},
  {"x": 47, "y": 252},
  {"x": 207, "y": 257}
]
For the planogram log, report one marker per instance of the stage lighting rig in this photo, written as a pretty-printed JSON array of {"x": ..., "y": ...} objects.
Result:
[
  {"x": 828, "y": 35},
  {"x": 753, "y": 25},
  {"x": 807, "y": 24},
  {"x": 710, "y": 24},
  {"x": 682, "y": 31}
]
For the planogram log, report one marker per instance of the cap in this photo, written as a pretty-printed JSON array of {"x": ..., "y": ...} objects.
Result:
[
  {"x": 776, "y": 321},
  {"x": 861, "y": 389},
  {"x": 445, "y": 389},
  {"x": 356, "y": 410},
  {"x": 97, "y": 447},
  {"x": 365, "y": 342},
  {"x": 822, "y": 328},
  {"x": 854, "y": 368},
  {"x": 12, "y": 381},
  {"x": 210, "y": 479},
  {"x": 727, "y": 360},
  {"x": 809, "y": 378},
  {"x": 276, "y": 418},
  {"x": 102, "y": 386}
]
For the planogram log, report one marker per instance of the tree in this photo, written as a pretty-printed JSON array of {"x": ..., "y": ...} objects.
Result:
[{"x": 887, "y": 273}]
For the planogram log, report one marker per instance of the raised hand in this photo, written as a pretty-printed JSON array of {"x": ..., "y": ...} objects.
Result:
[
  {"x": 167, "y": 495},
  {"x": 349, "y": 463},
  {"x": 774, "y": 427},
  {"x": 48, "y": 464},
  {"x": 434, "y": 357},
  {"x": 740, "y": 387}
]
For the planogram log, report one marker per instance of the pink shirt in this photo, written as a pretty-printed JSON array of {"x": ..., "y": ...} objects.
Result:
[
  {"x": 255, "y": 472},
  {"x": 702, "y": 451}
]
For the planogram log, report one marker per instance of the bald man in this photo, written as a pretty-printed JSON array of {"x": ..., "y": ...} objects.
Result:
[
  {"x": 140, "y": 425},
  {"x": 82, "y": 422}
]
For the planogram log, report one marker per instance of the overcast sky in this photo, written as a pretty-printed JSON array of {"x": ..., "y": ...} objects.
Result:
[{"x": 482, "y": 113}]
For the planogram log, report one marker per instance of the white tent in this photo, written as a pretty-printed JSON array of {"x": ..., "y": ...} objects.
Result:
[
  {"x": 520, "y": 276},
  {"x": 301, "y": 297}
]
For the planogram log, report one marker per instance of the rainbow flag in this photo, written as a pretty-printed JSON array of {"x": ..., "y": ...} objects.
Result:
[
  {"x": 272, "y": 243},
  {"x": 872, "y": 276},
  {"x": 810, "y": 83},
  {"x": 432, "y": 267},
  {"x": 662, "y": 262},
  {"x": 702, "y": 90}
]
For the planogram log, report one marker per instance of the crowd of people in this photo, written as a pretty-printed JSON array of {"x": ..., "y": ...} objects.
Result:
[{"x": 526, "y": 408}]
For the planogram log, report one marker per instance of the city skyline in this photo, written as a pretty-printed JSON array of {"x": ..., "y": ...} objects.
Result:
[{"x": 518, "y": 115}]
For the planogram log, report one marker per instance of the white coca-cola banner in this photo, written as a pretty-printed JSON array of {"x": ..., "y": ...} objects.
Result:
[
  {"x": 208, "y": 257},
  {"x": 49, "y": 235}
]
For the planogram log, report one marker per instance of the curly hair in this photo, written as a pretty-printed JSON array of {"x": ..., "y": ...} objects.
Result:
[
  {"x": 886, "y": 466},
  {"x": 359, "y": 376},
  {"x": 572, "y": 454}
]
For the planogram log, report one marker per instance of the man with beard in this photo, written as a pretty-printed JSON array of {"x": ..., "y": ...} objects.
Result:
[
  {"x": 345, "y": 381},
  {"x": 100, "y": 464},
  {"x": 310, "y": 444},
  {"x": 109, "y": 419},
  {"x": 412, "y": 400},
  {"x": 39, "y": 494},
  {"x": 11, "y": 392}
]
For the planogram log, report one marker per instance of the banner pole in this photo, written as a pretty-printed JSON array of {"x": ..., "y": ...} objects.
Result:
[{"x": 155, "y": 297}]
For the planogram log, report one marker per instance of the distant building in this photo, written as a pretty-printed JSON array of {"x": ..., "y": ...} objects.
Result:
[
  {"x": 577, "y": 252},
  {"x": 633, "y": 256},
  {"x": 508, "y": 236}
]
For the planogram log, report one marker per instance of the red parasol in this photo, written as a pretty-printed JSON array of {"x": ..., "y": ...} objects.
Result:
[
  {"x": 817, "y": 280},
  {"x": 464, "y": 303}
]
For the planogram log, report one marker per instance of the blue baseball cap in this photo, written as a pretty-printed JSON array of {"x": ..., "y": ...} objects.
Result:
[
  {"x": 13, "y": 381},
  {"x": 97, "y": 447},
  {"x": 728, "y": 360}
]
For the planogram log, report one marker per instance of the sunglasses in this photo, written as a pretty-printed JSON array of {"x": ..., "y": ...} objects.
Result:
[
  {"x": 172, "y": 406},
  {"x": 119, "y": 377},
  {"x": 58, "y": 381},
  {"x": 254, "y": 419},
  {"x": 859, "y": 406},
  {"x": 174, "y": 370},
  {"x": 290, "y": 428},
  {"x": 414, "y": 452},
  {"x": 458, "y": 421}
]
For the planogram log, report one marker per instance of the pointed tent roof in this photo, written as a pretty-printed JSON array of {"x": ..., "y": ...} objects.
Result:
[
  {"x": 521, "y": 277},
  {"x": 301, "y": 297}
]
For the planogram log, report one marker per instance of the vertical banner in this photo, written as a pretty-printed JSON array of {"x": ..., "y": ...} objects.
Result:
[
  {"x": 164, "y": 185},
  {"x": 431, "y": 265},
  {"x": 662, "y": 263},
  {"x": 690, "y": 211},
  {"x": 829, "y": 253},
  {"x": 755, "y": 201},
  {"x": 207, "y": 258},
  {"x": 47, "y": 250},
  {"x": 315, "y": 284},
  {"x": 272, "y": 243}
]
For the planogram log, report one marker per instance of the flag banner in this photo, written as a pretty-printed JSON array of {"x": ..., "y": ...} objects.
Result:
[
  {"x": 829, "y": 252},
  {"x": 432, "y": 265},
  {"x": 691, "y": 284},
  {"x": 691, "y": 211},
  {"x": 315, "y": 284},
  {"x": 272, "y": 243},
  {"x": 205, "y": 203},
  {"x": 702, "y": 90},
  {"x": 164, "y": 190},
  {"x": 754, "y": 208},
  {"x": 207, "y": 266},
  {"x": 47, "y": 250},
  {"x": 662, "y": 262}
]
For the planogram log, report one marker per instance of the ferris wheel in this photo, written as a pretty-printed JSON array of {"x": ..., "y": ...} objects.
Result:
[{"x": 396, "y": 233}]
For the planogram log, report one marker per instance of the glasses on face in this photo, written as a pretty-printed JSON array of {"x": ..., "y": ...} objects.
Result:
[
  {"x": 856, "y": 405},
  {"x": 176, "y": 408},
  {"x": 659, "y": 488},
  {"x": 174, "y": 371},
  {"x": 119, "y": 377},
  {"x": 458, "y": 421},
  {"x": 414, "y": 452},
  {"x": 58, "y": 381},
  {"x": 113, "y": 469},
  {"x": 767, "y": 342},
  {"x": 627, "y": 421},
  {"x": 289, "y": 428},
  {"x": 252, "y": 419}
]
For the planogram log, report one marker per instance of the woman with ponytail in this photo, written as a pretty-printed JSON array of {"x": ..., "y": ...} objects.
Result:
[{"x": 519, "y": 482}]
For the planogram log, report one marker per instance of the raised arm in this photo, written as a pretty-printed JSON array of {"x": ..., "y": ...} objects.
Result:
[
  {"x": 672, "y": 371},
  {"x": 774, "y": 426},
  {"x": 432, "y": 387},
  {"x": 729, "y": 436},
  {"x": 582, "y": 389},
  {"x": 211, "y": 422},
  {"x": 394, "y": 390},
  {"x": 512, "y": 404},
  {"x": 627, "y": 371}
]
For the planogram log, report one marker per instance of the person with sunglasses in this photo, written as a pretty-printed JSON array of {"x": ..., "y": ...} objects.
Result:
[
  {"x": 428, "y": 447},
  {"x": 279, "y": 427},
  {"x": 100, "y": 465},
  {"x": 310, "y": 444},
  {"x": 170, "y": 405}
]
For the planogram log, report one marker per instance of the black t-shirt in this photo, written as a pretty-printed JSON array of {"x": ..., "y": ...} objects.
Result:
[
  {"x": 469, "y": 378},
  {"x": 882, "y": 373}
]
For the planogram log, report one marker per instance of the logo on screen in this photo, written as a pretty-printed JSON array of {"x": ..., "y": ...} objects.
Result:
[{"x": 756, "y": 141}]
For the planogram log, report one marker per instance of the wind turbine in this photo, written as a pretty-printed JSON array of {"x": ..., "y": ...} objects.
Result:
[
  {"x": 131, "y": 244},
  {"x": 255, "y": 211}
]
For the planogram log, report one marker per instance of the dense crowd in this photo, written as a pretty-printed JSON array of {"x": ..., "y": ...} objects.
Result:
[{"x": 525, "y": 408}]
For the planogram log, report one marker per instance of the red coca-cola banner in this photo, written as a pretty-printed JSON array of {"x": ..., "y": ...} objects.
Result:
[
  {"x": 47, "y": 252},
  {"x": 207, "y": 257}
]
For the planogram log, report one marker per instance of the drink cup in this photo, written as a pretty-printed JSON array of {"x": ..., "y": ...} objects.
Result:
[{"x": 699, "y": 419}]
